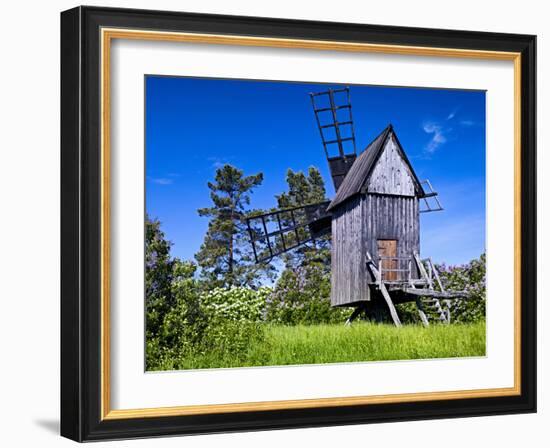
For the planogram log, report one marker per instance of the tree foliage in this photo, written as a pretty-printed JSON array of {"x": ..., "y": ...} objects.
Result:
[
  {"x": 305, "y": 190},
  {"x": 470, "y": 277},
  {"x": 302, "y": 296},
  {"x": 225, "y": 256},
  {"x": 158, "y": 275},
  {"x": 302, "y": 189}
]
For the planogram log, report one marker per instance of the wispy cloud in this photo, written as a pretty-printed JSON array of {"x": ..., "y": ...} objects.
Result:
[
  {"x": 440, "y": 130},
  {"x": 166, "y": 179},
  {"x": 438, "y": 136},
  {"x": 218, "y": 162},
  {"x": 462, "y": 121},
  {"x": 161, "y": 180}
]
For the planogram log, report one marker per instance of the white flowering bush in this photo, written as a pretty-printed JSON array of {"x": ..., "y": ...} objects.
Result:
[
  {"x": 236, "y": 304},
  {"x": 234, "y": 318},
  {"x": 222, "y": 322}
]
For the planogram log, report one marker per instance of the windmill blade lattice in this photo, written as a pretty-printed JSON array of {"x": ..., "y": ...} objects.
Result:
[
  {"x": 334, "y": 119},
  {"x": 429, "y": 202},
  {"x": 272, "y": 234}
]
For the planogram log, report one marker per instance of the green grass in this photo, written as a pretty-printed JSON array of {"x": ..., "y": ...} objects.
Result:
[{"x": 318, "y": 344}]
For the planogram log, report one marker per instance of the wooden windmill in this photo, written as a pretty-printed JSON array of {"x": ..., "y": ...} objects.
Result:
[{"x": 373, "y": 221}]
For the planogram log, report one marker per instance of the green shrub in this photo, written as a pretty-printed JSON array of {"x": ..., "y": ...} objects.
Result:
[
  {"x": 221, "y": 323},
  {"x": 302, "y": 296},
  {"x": 158, "y": 276},
  {"x": 408, "y": 313},
  {"x": 470, "y": 277},
  {"x": 233, "y": 317}
]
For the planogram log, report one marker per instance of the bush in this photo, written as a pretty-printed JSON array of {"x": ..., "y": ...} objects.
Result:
[
  {"x": 203, "y": 324},
  {"x": 233, "y": 317},
  {"x": 470, "y": 277},
  {"x": 302, "y": 296},
  {"x": 238, "y": 304},
  {"x": 158, "y": 276},
  {"x": 408, "y": 313},
  {"x": 182, "y": 325}
]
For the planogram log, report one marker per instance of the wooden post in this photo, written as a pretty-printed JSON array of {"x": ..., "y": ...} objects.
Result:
[
  {"x": 354, "y": 315},
  {"x": 411, "y": 283},
  {"x": 389, "y": 302},
  {"x": 384, "y": 291}
]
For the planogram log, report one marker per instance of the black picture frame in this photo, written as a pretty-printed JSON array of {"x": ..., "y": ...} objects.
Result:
[{"x": 81, "y": 224}]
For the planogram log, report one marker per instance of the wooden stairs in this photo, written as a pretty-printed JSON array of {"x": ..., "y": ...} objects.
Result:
[{"x": 433, "y": 302}]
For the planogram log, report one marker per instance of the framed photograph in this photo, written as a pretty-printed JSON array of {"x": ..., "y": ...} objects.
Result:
[{"x": 277, "y": 224}]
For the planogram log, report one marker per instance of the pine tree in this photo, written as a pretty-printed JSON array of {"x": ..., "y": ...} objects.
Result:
[
  {"x": 305, "y": 190},
  {"x": 225, "y": 256},
  {"x": 302, "y": 189}
]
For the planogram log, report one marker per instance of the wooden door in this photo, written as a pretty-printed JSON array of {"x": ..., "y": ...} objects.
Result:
[{"x": 387, "y": 251}]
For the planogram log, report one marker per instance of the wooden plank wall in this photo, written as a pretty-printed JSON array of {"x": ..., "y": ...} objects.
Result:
[
  {"x": 391, "y": 217},
  {"x": 349, "y": 277},
  {"x": 391, "y": 175},
  {"x": 357, "y": 225}
]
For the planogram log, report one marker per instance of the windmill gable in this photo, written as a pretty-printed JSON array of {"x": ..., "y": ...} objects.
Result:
[
  {"x": 394, "y": 174},
  {"x": 391, "y": 174}
]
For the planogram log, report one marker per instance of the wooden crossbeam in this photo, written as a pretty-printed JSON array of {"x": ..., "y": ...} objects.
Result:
[{"x": 436, "y": 294}]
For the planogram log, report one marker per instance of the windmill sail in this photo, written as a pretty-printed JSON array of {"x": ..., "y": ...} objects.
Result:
[
  {"x": 272, "y": 234},
  {"x": 429, "y": 202},
  {"x": 334, "y": 118}
]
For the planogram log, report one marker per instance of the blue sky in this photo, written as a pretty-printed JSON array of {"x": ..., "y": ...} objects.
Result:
[{"x": 195, "y": 125}]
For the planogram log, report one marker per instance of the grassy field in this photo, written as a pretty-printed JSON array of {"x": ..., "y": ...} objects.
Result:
[{"x": 317, "y": 344}]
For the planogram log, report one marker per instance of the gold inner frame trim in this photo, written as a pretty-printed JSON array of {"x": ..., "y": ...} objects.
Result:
[{"x": 107, "y": 35}]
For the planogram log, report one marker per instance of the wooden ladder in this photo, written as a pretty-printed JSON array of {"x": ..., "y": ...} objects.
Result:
[{"x": 432, "y": 304}]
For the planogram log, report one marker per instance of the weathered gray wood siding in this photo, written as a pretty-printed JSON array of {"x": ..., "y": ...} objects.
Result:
[
  {"x": 357, "y": 225},
  {"x": 392, "y": 218},
  {"x": 391, "y": 175},
  {"x": 349, "y": 277}
]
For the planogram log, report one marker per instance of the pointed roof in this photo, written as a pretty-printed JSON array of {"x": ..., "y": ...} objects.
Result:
[{"x": 359, "y": 172}]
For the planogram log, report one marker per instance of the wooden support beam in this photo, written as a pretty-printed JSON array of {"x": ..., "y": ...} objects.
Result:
[
  {"x": 383, "y": 290},
  {"x": 421, "y": 312},
  {"x": 354, "y": 315},
  {"x": 391, "y": 307}
]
